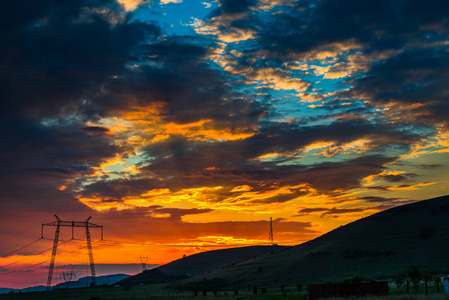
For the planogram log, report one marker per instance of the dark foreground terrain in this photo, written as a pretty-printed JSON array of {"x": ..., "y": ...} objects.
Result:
[{"x": 158, "y": 292}]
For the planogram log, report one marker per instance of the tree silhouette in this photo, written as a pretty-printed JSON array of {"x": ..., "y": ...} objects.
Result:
[
  {"x": 427, "y": 276},
  {"x": 415, "y": 274},
  {"x": 399, "y": 281}
]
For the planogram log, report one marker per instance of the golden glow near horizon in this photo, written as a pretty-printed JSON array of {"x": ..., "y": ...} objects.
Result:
[{"x": 184, "y": 126}]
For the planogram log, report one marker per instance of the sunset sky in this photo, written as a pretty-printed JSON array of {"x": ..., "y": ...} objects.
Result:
[{"x": 182, "y": 126}]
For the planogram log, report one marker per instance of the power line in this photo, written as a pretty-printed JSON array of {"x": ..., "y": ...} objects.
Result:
[
  {"x": 12, "y": 252},
  {"x": 31, "y": 266},
  {"x": 24, "y": 268},
  {"x": 385, "y": 235},
  {"x": 17, "y": 261},
  {"x": 116, "y": 242},
  {"x": 72, "y": 224},
  {"x": 27, "y": 257}
]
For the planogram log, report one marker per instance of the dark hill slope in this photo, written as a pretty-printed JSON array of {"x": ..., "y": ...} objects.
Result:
[
  {"x": 201, "y": 263},
  {"x": 380, "y": 246}
]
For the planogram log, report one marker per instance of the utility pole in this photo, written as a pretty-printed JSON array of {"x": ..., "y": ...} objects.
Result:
[
  {"x": 60, "y": 223},
  {"x": 270, "y": 235}
]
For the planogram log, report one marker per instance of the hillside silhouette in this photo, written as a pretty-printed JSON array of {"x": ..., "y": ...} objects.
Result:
[
  {"x": 200, "y": 263},
  {"x": 381, "y": 246}
]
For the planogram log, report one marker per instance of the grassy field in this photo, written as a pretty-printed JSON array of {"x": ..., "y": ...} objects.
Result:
[
  {"x": 161, "y": 292},
  {"x": 201, "y": 263}
]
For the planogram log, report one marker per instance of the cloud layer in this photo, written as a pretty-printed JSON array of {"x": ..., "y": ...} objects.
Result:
[{"x": 326, "y": 111}]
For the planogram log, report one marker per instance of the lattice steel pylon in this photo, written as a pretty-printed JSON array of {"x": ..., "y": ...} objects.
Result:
[
  {"x": 68, "y": 276},
  {"x": 270, "y": 235},
  {"x": 60, "y": 223},
  {"x": 144, "y": 260}
]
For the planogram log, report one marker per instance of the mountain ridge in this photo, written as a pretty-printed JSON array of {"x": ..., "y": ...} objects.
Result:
[
  {"x": 381, "y": 246},
  {"x": 81, "y": 282}
]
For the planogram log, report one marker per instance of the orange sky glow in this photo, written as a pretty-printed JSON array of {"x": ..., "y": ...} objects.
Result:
[{"x": 184, "y": 126}]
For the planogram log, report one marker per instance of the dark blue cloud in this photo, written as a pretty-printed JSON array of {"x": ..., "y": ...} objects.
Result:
[
  {"x": 62, "y": 55},
  {"x": 55, "y": 55},
  {"x": 378, "y": 25},
  {"x": 233, "y": 6},
  {"x": 416, "y": 76}
]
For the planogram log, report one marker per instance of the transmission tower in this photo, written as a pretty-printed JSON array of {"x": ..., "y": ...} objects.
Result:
[
  {"x": 270, "y": 235},
  {"x": 60, "y": 223},
  {"x": 68, "y": 276},
  {"x": 144, "y": 260}
]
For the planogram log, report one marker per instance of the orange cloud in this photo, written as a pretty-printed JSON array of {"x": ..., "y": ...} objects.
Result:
[
  {"x": 329, "y": 149},
  {"x": 439, "y": 143},
  {"x": 130, "y": 5},
  {"x": 200, "y": 131},
  {"x": 242, "y": 188},
  {"x": 231, "y": 35},
  {"x": 335, "y": 75},
  {"x": 410, "y": 187}
]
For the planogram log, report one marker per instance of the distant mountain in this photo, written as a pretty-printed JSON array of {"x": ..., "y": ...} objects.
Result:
[
  {"x": 380, "y": 246},
  {"x": 7, "y": 290},
  {"x": 86, "y": 281},
  {"x": 201, "y": 263},
  {"x": 81, "y": 282},
  {"x": 39, "y": 288}
]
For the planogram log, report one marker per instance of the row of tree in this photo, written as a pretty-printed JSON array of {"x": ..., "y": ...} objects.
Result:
[{"x": 416, "y": 276}]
